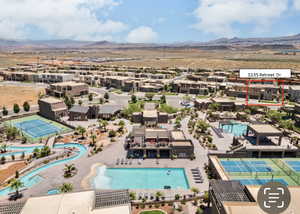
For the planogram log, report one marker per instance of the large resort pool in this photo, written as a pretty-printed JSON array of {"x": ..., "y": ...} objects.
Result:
[{"x": 140, "y": 178}]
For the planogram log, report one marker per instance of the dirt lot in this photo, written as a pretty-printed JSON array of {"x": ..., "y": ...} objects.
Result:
[{"x": 9, "y": 95}]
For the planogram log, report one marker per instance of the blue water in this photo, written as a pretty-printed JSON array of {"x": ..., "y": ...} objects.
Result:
[
  {"x": 53, "y": 192},
  {"x": 260, "y": 181},
  {"x": 32, "y": 177},
  {"x": 237, "y": 129},
  {"x": 245, "y": 166},
  {"x": 18, "y": 150},
  {"x": 37, "y": 128},
  {"x": 140, "y": 178}
]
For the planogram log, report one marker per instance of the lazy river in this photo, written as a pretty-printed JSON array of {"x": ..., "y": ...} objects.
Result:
[{"x": 32, "y": 178}]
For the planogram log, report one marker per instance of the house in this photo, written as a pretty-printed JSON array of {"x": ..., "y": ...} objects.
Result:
[
  {"x": 107, "y": 111},
  {"x": 84, "y": 202},
  {"x": 158, "y": 143},
  {"x": 294, "y": 93},
  {"x": 82, "y": 113},
  {"x": 52, "y": 108},
  {"x": 69, "y": 89},
  {"x": 189, "y": 87}
]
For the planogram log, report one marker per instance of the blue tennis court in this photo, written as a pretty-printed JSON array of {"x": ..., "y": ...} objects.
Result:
[
  {"x": 245, "y": 166},
  {"x": 260, "y": 181},
  {"x": 295, "y": 165},
  {"x": 37, "y": 128}
]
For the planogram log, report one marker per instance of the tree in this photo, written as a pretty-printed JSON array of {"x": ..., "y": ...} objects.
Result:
[
  {"x": 45, "y": 151},
  {"x": 93, "y": 137},
  {"x": 133, "y": 98},
  {"x": 66, "y": 187},
  {"x": 158, "y": 194},
  {"x": 11, "y": 132},
  {"x": 36, "y": 152},
  {"x": 16, "y": 184},
  {"x": 90, "y": 97},
  {"x": 106, "y": 96},
  {"x": 16, "y": 108},
  {"x": 132, "y": 196},
  {"x": 199, "y": 211},
  {"x": 122, "y": 123},
  {"x": 13, "y": 157},
  {"x": 3, "y": 148},
  {"x": 80, "y": 102},
  {"x": 17, "y": 174},
  {"x": 26, "y": 106},
  {"x": 149, "y": 96},
  {"x": 101, "y": 101},
  {"x": 163, "y": 99},
  {"x": 69, "y": 170},
  {"x": 81, "y": 130},
  {"x": 3, "y": 160},
  {"x": 214, "y": 106},
  {"x": 206, "y": 197},
  {"x": 202, "y": 126},
  {"x": 195, "y": 190},
  {"x": 68, "y": 102},
  {"x": 4, "y": 111},
  {"x": 177, "y": 197},
  {"x": 23, "y": 155},
  {"x": 72, "y": 100},
  {"x": 103, "y": 124},
  {"x": 112, "y": 133}
]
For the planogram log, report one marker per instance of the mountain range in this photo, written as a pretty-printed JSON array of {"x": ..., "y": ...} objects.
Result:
[{"x": 222, "y": 43}]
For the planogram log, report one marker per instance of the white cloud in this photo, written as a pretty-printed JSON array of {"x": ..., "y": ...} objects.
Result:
[
  {"x": 64, "y": 19},
  {"x": 219, "y": 16},
  {"x": 296, "y": 4},
  {"x": 142, "y": 34}
]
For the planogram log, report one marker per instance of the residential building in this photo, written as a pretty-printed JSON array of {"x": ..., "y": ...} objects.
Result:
[
  {"x": 190, "y": 87},
  {"x": 85, "y": 202},
  {"x": 69, "y": 89},
  {"x": 158, "y": 143},
  {"x": 83, "y": 113},
  {"x": 52, "y": 108},
  {"x": 107, "y": 111}
]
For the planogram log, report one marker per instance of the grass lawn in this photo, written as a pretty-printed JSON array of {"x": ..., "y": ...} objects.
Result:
[
  {"x": 168, "y": 109},
  {"x": 152, "y": 212}
]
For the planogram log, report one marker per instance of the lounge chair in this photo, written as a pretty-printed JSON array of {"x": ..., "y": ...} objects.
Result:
[
  {"x": 118, "y": 161},
  {"x": 122, "y": 161},
  {"x": 152, "y": 196},
  {"x": 126, "y": 161},
  {"x": 146, "y": 195},
  {"x": 140, "y": 196},
  {"x": 130, "y": 162}
]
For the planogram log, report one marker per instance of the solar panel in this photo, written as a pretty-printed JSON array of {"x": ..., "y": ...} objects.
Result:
[{"x": 111, "y": 198}]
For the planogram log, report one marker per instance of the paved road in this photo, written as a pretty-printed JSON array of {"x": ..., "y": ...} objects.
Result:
[{"x": 121, "y": 99}]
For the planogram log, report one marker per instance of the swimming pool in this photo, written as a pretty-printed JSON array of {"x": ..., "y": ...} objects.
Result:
[
  {"x": 53, "y": 192},
  {"x": 140, "y": 178},
  {"x": 237, "y": 129},
  {"x": 32, "y": 178}
]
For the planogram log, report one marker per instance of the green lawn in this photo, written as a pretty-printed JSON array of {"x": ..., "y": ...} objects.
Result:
[
  {"x": 152, "y": 212},
  {"x": 168, "y": 109}
]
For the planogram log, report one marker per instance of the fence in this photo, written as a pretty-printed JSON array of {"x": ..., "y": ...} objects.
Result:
[{"x": 288, "y": 171}]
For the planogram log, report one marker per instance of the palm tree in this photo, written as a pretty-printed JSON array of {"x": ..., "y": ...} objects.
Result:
[
  {"x": 195, "y": 190},
  {"x": 158, "y": 194},
  {"x": 16, "y": 184},
  {"x": 69, "y": 170},
  {"x": 66, "y": 187},
  {"x": 103, "y": 124},
  {"x": 81, "y": 130},
  {"x": 3, "y": 148},
  {"x": 93, "y": 137}
]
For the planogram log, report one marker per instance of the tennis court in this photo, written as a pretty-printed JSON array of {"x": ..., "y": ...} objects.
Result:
[
  {"x": 36, "y": 127},
  {"x": 246, "y": 166},
  {"x": 260, "y": 181},
  {"x": 295, "y": 165}
]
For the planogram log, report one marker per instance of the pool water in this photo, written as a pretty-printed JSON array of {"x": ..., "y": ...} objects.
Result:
[
  {"x": 32, "y": 178},
  {"x": 140, "y": 178},
  {"x": 237, "y": 129},
  {"x": 53, "y": 192}
]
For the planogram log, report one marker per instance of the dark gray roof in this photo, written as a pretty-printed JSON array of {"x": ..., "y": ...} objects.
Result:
[
  {"x": 12, "y": 208},
  {"x": 79, "y": 109},
  {"x": 109, "y": 109},
  {"x": 110, "y": 198},
  {"x": 230, "y": 191}
]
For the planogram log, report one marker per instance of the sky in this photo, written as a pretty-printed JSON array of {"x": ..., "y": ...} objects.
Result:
[{"x": 147, "y": 21}]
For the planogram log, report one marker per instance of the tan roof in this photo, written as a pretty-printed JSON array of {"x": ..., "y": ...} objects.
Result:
[
  {"x": 51, "y": 100},
  {"x": 150, "y": 113},
  {"x": 265, "y": 128},
  {"x": 70, "y": 83},
  {"x": 181, "y": 143},
  {"x": 178, "y": 135}
]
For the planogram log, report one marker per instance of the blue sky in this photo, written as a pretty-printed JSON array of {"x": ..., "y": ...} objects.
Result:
[{"x": 160, "y": 21}]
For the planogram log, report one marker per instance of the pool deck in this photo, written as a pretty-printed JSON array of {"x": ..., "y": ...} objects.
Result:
[{"x": 53, "y": 177}]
